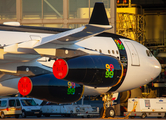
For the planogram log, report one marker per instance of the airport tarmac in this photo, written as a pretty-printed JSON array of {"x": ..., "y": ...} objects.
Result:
[{"x": 77, "y": 118}]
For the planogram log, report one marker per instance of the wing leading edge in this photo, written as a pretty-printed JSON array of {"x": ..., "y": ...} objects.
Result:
[{"x": 75, "y": 35}]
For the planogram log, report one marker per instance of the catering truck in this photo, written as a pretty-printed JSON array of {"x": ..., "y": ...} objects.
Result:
[{"x": 146, "y": 107}]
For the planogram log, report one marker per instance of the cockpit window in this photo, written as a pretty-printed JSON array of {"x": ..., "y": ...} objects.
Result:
[{"x": 149, "y": 54}]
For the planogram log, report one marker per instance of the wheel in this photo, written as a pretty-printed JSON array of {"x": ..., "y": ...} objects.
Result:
[
  {"x": 143, "y": 115},
  {"x": 23, "y": 114},
  {"x": 88, "y": 116},
  {"x": 47, "y": 115},
  {"x": 2, "y": 115},
  {"x": 159, "y": 117},
  {"x": 110, "y": 112},
  {"x": 16, "y": 116},
  {"x": 39, "y": 115},
  {"x": 101, "y": 111},
  {"x": 67, "y": 115},
  {"x": 132, "y": 117}
]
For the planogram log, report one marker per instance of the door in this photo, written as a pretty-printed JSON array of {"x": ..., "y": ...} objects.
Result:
[
  {"x": 12, "y": 107},
  {"x": 18, "y": 107},
  {"x": 133, "y": 54}
]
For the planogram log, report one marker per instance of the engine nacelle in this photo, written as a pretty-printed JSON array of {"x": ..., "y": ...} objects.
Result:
[
  {"x": 47, "y": 87},
  {"x": 91, "y": 70}
]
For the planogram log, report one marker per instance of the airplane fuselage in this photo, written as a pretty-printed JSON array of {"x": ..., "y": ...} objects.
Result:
[{"x": 135, "y": 58}]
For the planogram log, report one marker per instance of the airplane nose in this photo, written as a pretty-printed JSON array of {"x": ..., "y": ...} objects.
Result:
[{"x": 156, "y": 68}]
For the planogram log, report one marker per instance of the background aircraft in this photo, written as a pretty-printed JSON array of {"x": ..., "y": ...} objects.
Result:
[{"x": 62, "y": 65}]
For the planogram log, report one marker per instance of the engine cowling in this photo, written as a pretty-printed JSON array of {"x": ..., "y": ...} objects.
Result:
[
  {"x": 47, "y": 87},
  {"x": 91, "y": 70}
]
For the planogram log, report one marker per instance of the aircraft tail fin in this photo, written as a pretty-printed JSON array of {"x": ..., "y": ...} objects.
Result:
[{"x": 99, "y": 15}]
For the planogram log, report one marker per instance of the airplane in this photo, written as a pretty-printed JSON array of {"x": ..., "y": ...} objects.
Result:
[{"x": 62, "y": 65}]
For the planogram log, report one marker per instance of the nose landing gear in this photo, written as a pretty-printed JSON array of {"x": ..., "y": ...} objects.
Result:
[{"x": 107, "y": 110}]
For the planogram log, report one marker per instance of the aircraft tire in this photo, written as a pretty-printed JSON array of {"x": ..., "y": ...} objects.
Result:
[{"x": 110, "y": 112}]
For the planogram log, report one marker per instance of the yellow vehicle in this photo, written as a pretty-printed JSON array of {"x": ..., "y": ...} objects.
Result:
[{"x": 10, "y": 107}]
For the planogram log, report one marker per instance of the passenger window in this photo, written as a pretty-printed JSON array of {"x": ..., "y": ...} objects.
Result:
[
  {"x": 116, "y": 52},
  {"x": 113, "y": 51},
  {"x": 100, "y": 51},
  {"x": 12, "y": 103},
  {"x": 109, "y": 51},
  {"x": 18, "y": 102}
]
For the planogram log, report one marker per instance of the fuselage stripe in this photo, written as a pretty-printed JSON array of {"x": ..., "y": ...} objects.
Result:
[{"x": 124, "y": 62}]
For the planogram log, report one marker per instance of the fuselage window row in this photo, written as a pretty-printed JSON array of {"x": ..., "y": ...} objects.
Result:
[{"x": 109, "y": 51}]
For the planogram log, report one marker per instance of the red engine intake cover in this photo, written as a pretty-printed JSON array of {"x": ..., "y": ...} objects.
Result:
[
  {"x": 25, "y": 86},
  {"x": 60, "y": 69}
]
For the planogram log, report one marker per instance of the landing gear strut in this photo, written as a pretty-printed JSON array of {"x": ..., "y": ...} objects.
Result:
[{"x": 107, "y": 110}]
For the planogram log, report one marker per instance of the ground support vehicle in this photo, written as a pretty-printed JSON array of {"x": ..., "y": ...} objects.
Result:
[
  {"x": 146, "y": 107},
  {"x": 70, "y": 110},
  {"x": 29, "y": 107},
  {"x": 10, "y": 107}
]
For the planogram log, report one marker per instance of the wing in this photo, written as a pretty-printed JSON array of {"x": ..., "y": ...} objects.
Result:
[
  {"x": 98, "y": 23},
  {"x": 73, "y": 36},
  {"x": 54, "y": 45}
]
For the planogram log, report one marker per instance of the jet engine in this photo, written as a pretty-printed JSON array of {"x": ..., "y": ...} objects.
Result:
[
  {"x": 91, "y": 70},
  {"x": 47, "y": 87}
]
